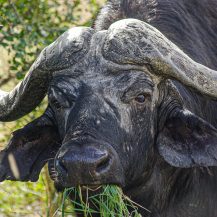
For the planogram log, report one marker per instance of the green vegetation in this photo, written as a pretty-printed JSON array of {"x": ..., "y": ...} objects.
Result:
[
  {"x": 110, "y": 202},
  {"x": 23, "y": 199},
  {"x": 29, "y": 26}
]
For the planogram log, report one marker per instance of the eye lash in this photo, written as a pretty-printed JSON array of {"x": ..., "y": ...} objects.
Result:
[
  {"x": 56, "y": 104},
  {"x": 130, "y": 94},
  {"x": 59, "y": 104}
]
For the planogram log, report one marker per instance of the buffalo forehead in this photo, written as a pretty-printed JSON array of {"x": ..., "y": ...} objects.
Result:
[{"x": 104, "y": 82}]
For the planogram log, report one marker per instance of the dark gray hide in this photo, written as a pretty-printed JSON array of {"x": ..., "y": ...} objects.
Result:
[{"x": 127, "y": 107}]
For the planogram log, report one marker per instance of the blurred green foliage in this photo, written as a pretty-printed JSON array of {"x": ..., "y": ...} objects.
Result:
[
  {"x": 27, "y": 27},
  {"x": 30, "y": 25}
]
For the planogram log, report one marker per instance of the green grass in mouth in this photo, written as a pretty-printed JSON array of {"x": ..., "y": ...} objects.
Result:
[{"x": 110, "y": 202}]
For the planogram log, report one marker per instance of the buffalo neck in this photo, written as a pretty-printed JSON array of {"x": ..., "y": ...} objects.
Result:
[{"x": 171, "y": 191}]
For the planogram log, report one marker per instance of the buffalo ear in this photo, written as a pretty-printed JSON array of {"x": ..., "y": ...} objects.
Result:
[
  {"x": 186, "y": 140},
  {"x": 28, "y": 151}
]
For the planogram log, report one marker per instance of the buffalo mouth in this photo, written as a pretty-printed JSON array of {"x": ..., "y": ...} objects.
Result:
[
  {"x": 89, "y": 167},
  {"x": 62, "y": 182}
]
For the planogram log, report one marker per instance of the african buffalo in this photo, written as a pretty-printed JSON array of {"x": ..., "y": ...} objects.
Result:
[{"x": 132, "y": 103}]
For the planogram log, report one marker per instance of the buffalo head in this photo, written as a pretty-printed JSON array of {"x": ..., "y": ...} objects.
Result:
[{"x": 112, "y": 107}]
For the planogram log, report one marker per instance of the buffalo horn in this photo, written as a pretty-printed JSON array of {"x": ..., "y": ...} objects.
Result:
[
  {"x": 68, "y": 49},
  {"x": 132, "y": 41}
]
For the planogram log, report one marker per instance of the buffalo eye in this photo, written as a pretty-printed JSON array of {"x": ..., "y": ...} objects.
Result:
[
  {"x": 56, "y": 104},
  {"x": 140, "y": 98}
]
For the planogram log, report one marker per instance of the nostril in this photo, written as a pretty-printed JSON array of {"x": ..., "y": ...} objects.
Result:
[
  {"x": 103, "y": 165},
  {"x": 60, "y": 167}
]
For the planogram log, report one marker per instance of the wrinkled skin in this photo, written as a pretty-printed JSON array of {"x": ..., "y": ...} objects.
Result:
[
  {"x": 126, "y": 125},
  {"x": 94, "y": 119}
]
